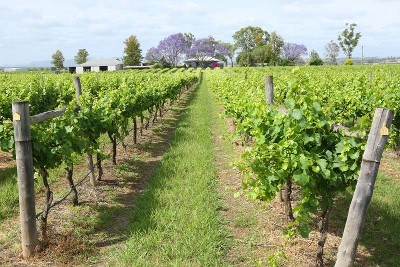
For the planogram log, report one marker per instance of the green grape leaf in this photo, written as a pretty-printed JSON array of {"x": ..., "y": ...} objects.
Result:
[
  {"x": 297, "y": 114},
  {"x": 302, "y": 178},
  {"x": 290, "y": 104}
]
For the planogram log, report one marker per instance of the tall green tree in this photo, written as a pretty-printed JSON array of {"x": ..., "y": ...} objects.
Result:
[
  {"x": 332, "y": 52},
  {"x": 246, "y": 39},
  {"x": 81, "y": 56},
  {"x": 132, "y": 51},
  {"x": 261, "y": 54},
  {"x": 245, "y": 59},
  {"x": 274, "y": 45},
  {"x": 249, "y": 37},
  {"x": 315, "y": 59},
  {"x": 348, "y": 39},
  {"x": 58, "y": 60}
]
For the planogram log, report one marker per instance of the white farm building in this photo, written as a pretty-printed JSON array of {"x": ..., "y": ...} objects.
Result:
[
  {"x": 96, "y": 65},
  {"x": 204, "y": 62}
]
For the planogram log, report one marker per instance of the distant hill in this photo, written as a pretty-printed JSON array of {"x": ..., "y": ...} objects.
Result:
[
  {"x": 47, "y": 64},
  {"x": 371, "y": 60},
  {"x": 40, "y": 64}
]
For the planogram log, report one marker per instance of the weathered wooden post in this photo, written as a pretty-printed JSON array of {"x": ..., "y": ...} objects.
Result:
[
  {"x": 269, "y": 89},
  {"x": 78, "y": 87},
  {"x": 23, "y": 149},
  {"x": 377, "y": 139}
]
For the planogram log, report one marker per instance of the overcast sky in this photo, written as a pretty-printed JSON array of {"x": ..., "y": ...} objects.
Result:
[{"x": 33, "y": 30}]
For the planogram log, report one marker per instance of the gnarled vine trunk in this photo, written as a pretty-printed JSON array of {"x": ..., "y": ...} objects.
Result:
[
  {"x": 148, "y": 118},
  {"x": 49, "y": 199},
  {"x": 141, "y": 124},
  {"x": 135, "y": 130},
  {"x": 99, "y": 167},
  {"x": 155, "y": 114},
  {"x": 69, "y": 173},
  {"x": 287, "y": 199},
  {"x": 113, "y": 140},
  {"x": 323, "y": 229}
]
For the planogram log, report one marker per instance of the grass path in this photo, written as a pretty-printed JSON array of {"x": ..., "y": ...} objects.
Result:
[{"x": 176, "y": 222}]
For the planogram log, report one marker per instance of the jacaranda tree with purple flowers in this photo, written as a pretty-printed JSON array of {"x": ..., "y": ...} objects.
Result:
[
  {"x": 204, "y": 48},
  {"x": 201, "y": 49},
  {"x": 153, "y": 55},
  {"x": 221, "y": 51},
  {"x": 171, "y": 49},
  {"x": 292, "y": 52}
]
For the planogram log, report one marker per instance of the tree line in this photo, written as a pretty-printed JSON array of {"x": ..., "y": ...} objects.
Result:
[{"x": 252, "y": 46}]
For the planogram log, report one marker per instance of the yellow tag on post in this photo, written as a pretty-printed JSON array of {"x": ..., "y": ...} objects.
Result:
[
  {"x": 384, "y": 130},
  {"x": 16, "y": 117}
]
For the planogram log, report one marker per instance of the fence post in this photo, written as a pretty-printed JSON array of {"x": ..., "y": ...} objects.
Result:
[
  {"x": 23, "y": 149},
  {"x": 78, "y": 87},
  {"x": 269, "y": 89},
  {"x": 377, "y": 139}
]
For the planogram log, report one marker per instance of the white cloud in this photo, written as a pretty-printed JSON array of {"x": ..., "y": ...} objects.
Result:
[
  {"x": 43, "y": 22},
  {"x": 33, "y": 30},
  {"x": 186, "y": 8}
]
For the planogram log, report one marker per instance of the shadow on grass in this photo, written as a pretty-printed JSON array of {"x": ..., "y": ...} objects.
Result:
[
  {"x": 163, "y": 132},
  {"x": 380, "y": 235},
  {"x": 7, "y": 174},
  {"x": 137, "y": 173}
]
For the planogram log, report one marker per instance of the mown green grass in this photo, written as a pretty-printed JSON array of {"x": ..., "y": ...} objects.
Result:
[
  {"x": 175, "y": 222},
  {"x": 380, "y": 235},
  {"x": 8, "y": 192},
  {"x": 9, "y": 189}
]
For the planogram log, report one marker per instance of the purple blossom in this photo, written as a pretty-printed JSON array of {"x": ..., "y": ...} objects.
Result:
[
  {"x": 201, "y": 49},
  {"x": 293, "y": 52},
  {"x": 204, "y": 48},
  {"x": 221, "y": 49},
  {"x": 172, "y": 48},
  {"x": 153, "y": 55}
]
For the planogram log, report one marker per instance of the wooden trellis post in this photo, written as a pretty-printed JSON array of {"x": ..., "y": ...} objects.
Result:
[
  {"x": 269, "y": 89},
  {"x": 23, "y": 149},
  {"x": 26, "y": 188},
  {"x": 377, "y": 140}
]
